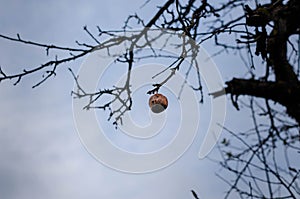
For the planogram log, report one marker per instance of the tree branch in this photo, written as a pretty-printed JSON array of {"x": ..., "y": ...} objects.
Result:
[{"x": 282, "y": 92}]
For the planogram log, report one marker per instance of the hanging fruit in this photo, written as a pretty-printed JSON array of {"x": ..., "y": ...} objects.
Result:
[{"x": 158, "y": 103}]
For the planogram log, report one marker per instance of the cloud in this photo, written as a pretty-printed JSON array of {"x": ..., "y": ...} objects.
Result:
[{"x": 41, "y": 154}]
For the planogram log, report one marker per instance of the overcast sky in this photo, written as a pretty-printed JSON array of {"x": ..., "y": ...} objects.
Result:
[{"x": 41, "y": 153}]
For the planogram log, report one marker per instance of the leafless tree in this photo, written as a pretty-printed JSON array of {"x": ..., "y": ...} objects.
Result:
[{"x": 253, "y": 29}]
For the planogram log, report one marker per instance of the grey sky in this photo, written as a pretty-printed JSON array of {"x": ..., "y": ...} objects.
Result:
[{"x": 41, "y": 154}]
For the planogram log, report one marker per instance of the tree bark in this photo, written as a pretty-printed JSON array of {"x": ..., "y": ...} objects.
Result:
[
  {"x": 281, "y": 92},
  {"x": 286, "y": 87}
]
